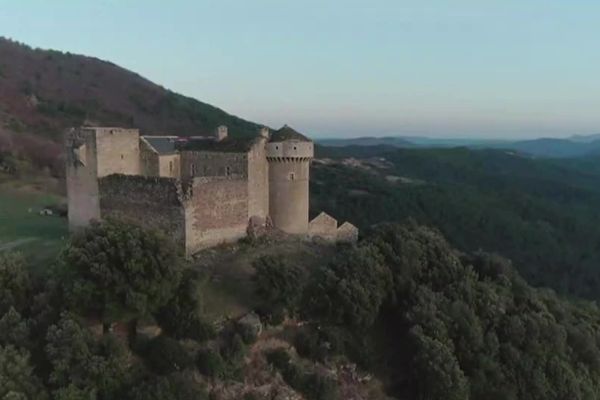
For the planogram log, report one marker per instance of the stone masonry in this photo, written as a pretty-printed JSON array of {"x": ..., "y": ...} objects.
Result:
[{"x": 200, "y": 191}]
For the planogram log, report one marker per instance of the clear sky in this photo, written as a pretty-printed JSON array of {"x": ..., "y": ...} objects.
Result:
[{"x": 468, "y": 68}]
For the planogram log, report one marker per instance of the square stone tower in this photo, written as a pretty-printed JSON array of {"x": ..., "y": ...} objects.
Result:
[{"x": 91, "y": 154}]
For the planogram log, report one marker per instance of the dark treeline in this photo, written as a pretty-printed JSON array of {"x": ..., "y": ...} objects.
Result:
[{"x": 542, "y": 214}]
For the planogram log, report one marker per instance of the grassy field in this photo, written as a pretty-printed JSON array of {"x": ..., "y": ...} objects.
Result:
[{"x": 23, "y": 229}]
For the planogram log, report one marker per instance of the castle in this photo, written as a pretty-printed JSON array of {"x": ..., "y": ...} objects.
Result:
[{"x": 202, "y": 190}]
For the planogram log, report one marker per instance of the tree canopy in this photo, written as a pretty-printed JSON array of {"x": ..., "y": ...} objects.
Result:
[{"x": 114, "y": 268}]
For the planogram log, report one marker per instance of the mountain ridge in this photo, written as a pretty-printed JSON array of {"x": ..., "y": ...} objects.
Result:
[{"x": 574, "y": 146}]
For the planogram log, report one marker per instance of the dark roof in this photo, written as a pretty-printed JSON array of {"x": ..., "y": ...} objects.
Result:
[
  {"x": 288, "y": 133},
  {"x": 162, "y": 145},
  {"x": 227, "y": 145}
]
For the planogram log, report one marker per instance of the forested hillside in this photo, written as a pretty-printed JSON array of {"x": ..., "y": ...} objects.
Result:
[
  {"x": 542, "y": 214},
  {"x": 42, "y": 92},
  {"x": 120, "y": 316}
]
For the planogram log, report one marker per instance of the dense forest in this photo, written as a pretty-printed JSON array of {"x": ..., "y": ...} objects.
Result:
[
  {"x": 542, "y": 214},
  {"x": 449, "y": 325},
  {"x": 429, "y": 321}
]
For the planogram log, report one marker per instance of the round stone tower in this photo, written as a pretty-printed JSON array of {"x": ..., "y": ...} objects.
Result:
[{"x": 289, "y": 154}]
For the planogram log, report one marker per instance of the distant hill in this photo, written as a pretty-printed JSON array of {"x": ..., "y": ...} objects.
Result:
[
  {"x": 44, "y": 91},
  {"x": 557, "y": 148},
  {"x": 585, "y": 138},
  {"x": 367, "y": 141},
  {"x": 574, "y": 146},
  {"x": 541, "y": 213}
]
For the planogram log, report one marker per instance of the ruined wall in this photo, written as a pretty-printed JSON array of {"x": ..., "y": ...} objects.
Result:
[
  {"x": 148, "y": 159},
  {"x": 118, "y": 151},
  {"x": 347, "y": 233},
  {"x": 258, "y": 180},
  {"x": 323, "y": 226},
  {"x": 81, "y": 178},
  {"x": 206, "y": 163},
  {"x": 153, "y": 202},
  {"x": 216, "y": 211},
  {"x": 168, "y": 165}
]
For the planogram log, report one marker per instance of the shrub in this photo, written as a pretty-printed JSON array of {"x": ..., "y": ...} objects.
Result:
[
  {"x": 210, "y": 363},
  {"x": 171, "y": 387},
  {"x": 270, "y": 314},
  {"x": 278, "y": 283},
  {"x": 181, "y": 317},
  {"x": 280, "y": 358},
  {"x": 313, "y": 385},
  {"x": 317, "y": 386},
  {"x": 309, "y": 344},
  {"x": 15, "y": 284},
  {"x": 117, "y": 269},
  {"x": 234, "y": 349},
  {"x": 165, "y": 355}
]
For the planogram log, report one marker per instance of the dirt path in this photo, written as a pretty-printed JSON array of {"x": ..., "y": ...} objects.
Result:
[{"x": 15, "y": 243}]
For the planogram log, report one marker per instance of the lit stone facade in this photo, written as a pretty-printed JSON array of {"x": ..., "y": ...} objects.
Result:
[{"x": 201, "y": 191}]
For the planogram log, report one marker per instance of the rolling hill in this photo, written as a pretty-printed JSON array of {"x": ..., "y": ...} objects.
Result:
[
  {"x": 42, "y": 92},
  {"x": 541, "y": 213},
  {"x": 574, "y": 146}
]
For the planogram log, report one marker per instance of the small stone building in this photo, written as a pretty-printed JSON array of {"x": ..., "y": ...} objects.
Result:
[{"x": 201, "y": 191}]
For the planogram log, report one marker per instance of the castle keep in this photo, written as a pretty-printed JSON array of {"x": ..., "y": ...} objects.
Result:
[{"x": 201, "y": 191}]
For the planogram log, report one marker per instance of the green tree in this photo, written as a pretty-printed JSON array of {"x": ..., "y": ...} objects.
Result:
[
  {"x": 181, "y": 317},
  {"x": 436, "y": 370},
  {"x": 350, "y": 290},
  {"x": 278, "y": 283},
  {"x": 166, "y": 355},
  {"x": 14, "y": 329},
  {"x": 15, "y": 284},
  {"x": 17, "y": 379},
  {"x": 171, "y": 387},
  {"x": 79, "y": 360},
  {"x": 119, "y": 270}
]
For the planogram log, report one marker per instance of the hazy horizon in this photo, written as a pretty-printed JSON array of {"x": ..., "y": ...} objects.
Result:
[{"x": 445, "y": 69}]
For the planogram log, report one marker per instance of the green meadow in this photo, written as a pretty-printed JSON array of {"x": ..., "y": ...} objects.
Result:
[{"x": 22, "y": 228}]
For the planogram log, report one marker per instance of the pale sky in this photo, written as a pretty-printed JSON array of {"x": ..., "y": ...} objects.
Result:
[{"x": 466, "y": 68}]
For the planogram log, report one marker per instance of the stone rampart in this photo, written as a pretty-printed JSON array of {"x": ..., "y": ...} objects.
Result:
[
  {"x": 216, "y": 211},
  {"x": 153, "y": 202}
]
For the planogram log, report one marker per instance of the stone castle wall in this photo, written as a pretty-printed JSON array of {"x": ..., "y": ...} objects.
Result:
[
  {"x": 169, "y": 165},
  {"x": 117, "y": 151},
  {"x": 347, "y": 233},
  {"x": 148, "y": 159},
  {"x": 216, "y": 211},
  {"x": 258, "y": 181},
  {"x": 153, "y": 202},
  {"x": 81, "y": 173},
  {"x": 323, "y": 226},
  {"x": 207, "y": 163},
  {"x": 326, "y": 227},
  {"x": 197, "y": 198}
]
